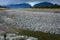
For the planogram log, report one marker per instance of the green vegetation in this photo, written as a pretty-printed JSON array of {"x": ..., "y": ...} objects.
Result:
[
  {"x": 37, "y": 34},
  {"x": 53, "y": 6}
]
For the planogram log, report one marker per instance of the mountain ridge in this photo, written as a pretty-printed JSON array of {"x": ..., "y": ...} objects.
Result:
[
  {"x": 38, "y": 5},
  {"x": 22, "y": 5},
  {"x": 43, "y": 4}
]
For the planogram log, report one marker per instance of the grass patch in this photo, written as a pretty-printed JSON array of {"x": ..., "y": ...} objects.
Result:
[{"x": 39, "y": 35}]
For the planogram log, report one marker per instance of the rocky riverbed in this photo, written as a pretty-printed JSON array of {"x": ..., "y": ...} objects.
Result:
[{"x": 32, "y": 20}]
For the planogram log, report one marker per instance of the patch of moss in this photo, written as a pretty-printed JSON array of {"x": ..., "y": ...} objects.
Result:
[{"x": 39, "y": 35}]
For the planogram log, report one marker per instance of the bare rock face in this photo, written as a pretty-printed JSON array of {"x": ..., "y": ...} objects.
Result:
[{"x": 37, "y": 21}]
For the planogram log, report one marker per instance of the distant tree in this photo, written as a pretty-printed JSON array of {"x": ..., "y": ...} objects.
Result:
[{"x": 55, "y": 6}]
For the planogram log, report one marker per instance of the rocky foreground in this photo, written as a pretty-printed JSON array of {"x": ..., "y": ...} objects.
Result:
[
  {"x": 12, "y": 36},
  {"x": 32, "y": 20}
]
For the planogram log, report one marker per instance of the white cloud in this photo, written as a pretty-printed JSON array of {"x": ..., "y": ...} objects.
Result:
[{"x": 32, "y": 3}]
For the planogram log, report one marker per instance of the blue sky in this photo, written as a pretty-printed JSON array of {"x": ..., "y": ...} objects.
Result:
[{"x": 32, "y": 2}]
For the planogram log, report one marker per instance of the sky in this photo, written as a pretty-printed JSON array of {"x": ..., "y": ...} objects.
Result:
[{"x": 32, "y": 2}]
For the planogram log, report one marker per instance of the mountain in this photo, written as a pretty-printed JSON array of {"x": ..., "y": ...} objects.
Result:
[
  {"x": 39, "y": 5},
  {"x": 2, "y": 7},
  {"x": 55, "y": 6},
  {"x": 43, "y": 4},
  {"x": 22, "y": 5}
]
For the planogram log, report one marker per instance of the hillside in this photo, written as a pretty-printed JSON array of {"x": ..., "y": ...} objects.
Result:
[
  {"x": 2, "y": 7},
  {"x": 43, "y": 4},
  {"x": 22, "y": 5},
  {"x": 46, "y": 5}
]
